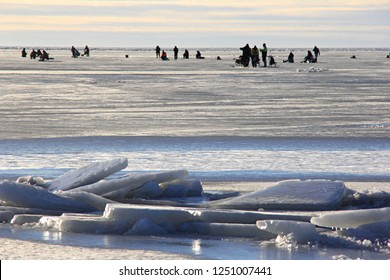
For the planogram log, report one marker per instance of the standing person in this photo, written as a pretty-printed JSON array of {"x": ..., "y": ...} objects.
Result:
[
  {"x": 264, "y": 52},
  {"x": 255, "y": 56},
  {"x": 316, "y": 53},
  {"x": 246, "y": 54},
  {"x": 175, "y": 52},
  {"x": 157, "y": 51}
]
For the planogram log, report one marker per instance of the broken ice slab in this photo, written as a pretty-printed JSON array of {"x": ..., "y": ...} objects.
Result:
[
  {"x": 244, "y": 216},
  {"x": 166, "y": 176},
  {"x": 22, "y": 219},
  {"x": 167, "y": 214},
  {"x": 117, "y": 188},
  {"x": 24, "y": 210},
  {"x": 6, "y": 216},
  {"x": 156, "y": 214},
  {"x": 85, "y": 224},
  {"x": 86, "y": 175},
  {"x": 300, "y": 231},
  {"x": 22, "y": 195},
  {"x": 312, "y": 195},
  {"x": 182, "y": 188},
  {"x": 91, "y": 199},
  {"x": 226, "y": 230},
  {"x": 352, "y": 218}
]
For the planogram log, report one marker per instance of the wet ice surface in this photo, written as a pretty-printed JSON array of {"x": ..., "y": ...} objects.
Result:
[
  {"x": 219, "y": 122},
  {"x": 107, "y": 94}
]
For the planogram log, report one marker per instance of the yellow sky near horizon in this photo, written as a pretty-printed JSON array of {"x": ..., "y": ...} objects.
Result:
[{"x": 223, "y": 17}]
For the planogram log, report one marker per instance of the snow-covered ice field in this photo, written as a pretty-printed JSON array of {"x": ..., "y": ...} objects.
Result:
[{"x": 236, "y": 129}]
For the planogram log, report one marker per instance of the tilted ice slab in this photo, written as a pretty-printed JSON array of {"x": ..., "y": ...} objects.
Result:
[
  {"x": 352, "y": 218},
  {"x": 86, "y": 175},
  {"x": 22, "y": 195},
  {"x": 129, "y": 184},
  {"x": 117, "y": 188},
  {"x": 290, "y": 195}
]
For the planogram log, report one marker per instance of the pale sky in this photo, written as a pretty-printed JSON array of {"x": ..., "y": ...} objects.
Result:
[{"x": 196, "y": 23}]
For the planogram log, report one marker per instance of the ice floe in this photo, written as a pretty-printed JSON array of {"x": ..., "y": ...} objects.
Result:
[{"x": 88, "y": 200}]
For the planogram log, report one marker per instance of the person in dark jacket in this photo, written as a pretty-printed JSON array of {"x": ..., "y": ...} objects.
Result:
[
  {"x": 246, "y": 54},
  {"x": 175, "y": 52},
  {"x": 316, "y": 53},
  {"x": 290, "y": 58},
  {"x": 264, "y": 52},
  {"x": 186, "y": 54}
]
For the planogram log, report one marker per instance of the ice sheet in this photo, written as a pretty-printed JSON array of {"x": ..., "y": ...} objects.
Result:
[{"x": 290, "y": 195}]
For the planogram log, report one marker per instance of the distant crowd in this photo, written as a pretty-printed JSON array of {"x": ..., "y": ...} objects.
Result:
[
  {"x": 42, "y": 55},
  {"x": 186, "y": 55},
  {"x": 249, "y": 55}
]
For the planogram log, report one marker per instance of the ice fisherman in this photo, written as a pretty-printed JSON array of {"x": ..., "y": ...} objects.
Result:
[
  {"x": 157, "y": 51},
  {"x": 86, "y": 51},
  {"x": 199, "y": 55},
  {"x": 246, "y": 54},
  {"x": 33, "y": 54},
  {"x": 164, "y": 55},
  {"x": 290, "y": 58},
  {"x": 24, "y": 53},
  {"x": 264, "y": 52},
  {"x": 309, "y": 58},
  {"x": 186, "y": 54},
  {"x": 75, "y": 52},
  {"x": 175, "y": 52},
  {"x": 316, "y": 53},
  {"x": 255, "y": 56}
]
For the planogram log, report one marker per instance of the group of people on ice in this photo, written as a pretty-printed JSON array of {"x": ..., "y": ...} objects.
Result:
[
  {"x": 186, "y": 55},
  {"x": 76, "y": 53},
  {"x": 41, "y": 54},
  {"x": 253, "y": 55}
]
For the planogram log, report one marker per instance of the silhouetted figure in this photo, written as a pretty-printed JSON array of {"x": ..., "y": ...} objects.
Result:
[
  {"x": 75, "y": 52},
  {"x": 272, "y": 62},
  {"x": 39, "y": 53},
  {"x": 175, "y": 52},
  {"x": 157, "y": 51},
  {"x": 264, "y": 52},
  {"x": 219, "y": 58},
  {"x": 246, "y": 54},
  {"x": 353, "y": 57},
  {"x": 186, "y": 54},
  {"x": 44, "y": 56},
  {"x": 86, "y": 51},
  {"x": 199, "y": 55},
  {"x": 316, "y": 53},
  {"x": 24, "y": 53},
  {"x": 309, "y": 58},
  {"x": 33, "y": 54},
  {"x": 164, "y": 55},
  {"x": 290, "y": 58},
  {"x": 255, "y": 56}
]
